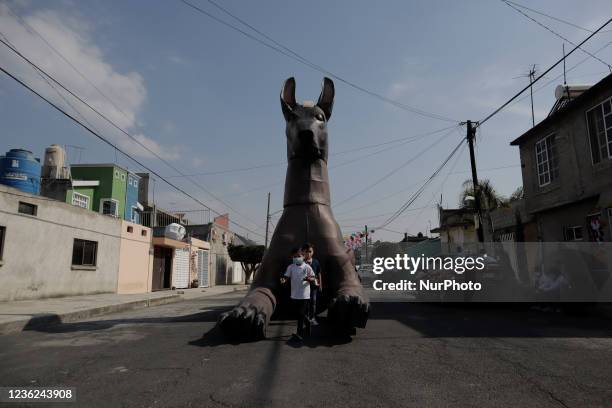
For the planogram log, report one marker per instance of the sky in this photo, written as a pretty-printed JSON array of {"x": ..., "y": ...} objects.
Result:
[{"x": 205, "y": 98}]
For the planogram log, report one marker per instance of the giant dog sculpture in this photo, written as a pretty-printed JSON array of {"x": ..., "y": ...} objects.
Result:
[{"x": 307, "y": 217}]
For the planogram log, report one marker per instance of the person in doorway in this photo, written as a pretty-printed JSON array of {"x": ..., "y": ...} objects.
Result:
[
  {"x": 316, "y": 286},
  {"x": 300, "y": 276}
]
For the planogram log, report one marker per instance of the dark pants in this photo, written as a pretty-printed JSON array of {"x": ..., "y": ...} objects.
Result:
[
  {"x": 312, "y": 312},
  {"x": 301, "y": 308}
]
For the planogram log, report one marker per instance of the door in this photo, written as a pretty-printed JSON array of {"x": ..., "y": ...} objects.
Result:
[
  {"x": 158, "y": 268},
  {"x": 180, "y": 278},
  {"x": 203, "y": 268},
  {"x": 221, "y": 272}
]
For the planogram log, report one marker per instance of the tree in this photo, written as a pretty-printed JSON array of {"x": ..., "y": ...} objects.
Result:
[
  {"x": 490, "y": 199},
  {"x": 517, "y": 194},
  {"x": 249, "y": 257}
]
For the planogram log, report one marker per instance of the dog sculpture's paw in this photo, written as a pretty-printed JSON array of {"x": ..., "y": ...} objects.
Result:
[
  {"x": 349, "y": 309},
  {"x": 243, "y": 323}
]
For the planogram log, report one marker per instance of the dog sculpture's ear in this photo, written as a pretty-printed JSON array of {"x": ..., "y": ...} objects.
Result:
[
  {"x": 287, "y": 97},
  {"x": 326, "y": 99}
]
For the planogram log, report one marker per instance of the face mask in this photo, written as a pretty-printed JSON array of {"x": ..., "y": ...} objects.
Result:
[{"x": 298, "y": 260}]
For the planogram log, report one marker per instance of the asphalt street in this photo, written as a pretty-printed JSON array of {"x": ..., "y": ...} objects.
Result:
[{"x": 409, "y": 355}]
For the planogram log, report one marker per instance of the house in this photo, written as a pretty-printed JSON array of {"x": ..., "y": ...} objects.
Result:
[
  {"x": 133, "y": 208},
  {"x": 223, "y": 270},
  {"x": 179, "y": 263},
  {"x": 457, "y": 230},
  {"x": 566, "y": 162},
  {"x": 71, "y": 250},
  {"x": 99, "y": 187},
  {"x": 135, "y": 274},
  {"x": 49, "y": 248}
]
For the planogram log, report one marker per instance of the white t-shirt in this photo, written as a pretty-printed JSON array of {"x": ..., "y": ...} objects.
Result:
[{"x": 300, "y": 289}]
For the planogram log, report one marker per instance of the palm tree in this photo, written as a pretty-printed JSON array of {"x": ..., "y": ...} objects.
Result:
[{"x": 490, "y": 199}]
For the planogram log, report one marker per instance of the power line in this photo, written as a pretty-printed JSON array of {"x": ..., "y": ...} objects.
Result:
[
  {"x": 286, "y": 51},
  {"x": 557, "y": 34},
  {"x": 112, "y": 123},
  {"x": 403, "y": 140},
  {"x": 59, "y": 54},
  {"x": 496, "y": 111},
  {"x": 102, "y": 138},
  {"x": 416, "y": 195},
  {"x": 554, "y": 18},
  {"x": 396, "y": 169}
]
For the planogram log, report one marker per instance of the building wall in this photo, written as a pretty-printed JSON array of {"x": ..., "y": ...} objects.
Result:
[
  {"x": 135, "y": 259},
  {"x": 37, "y": 257},
  {"x": 88, "y": 191},
  {"x": 578, "y": 177},
  {"x": 131, "y": 198},
  {"x": 221, "y": 267}
]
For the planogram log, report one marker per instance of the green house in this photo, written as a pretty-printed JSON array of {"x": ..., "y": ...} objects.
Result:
[{"x": 98, "y": 187}]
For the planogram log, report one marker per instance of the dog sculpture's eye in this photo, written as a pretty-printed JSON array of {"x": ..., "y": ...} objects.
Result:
[{"x": 320, "y": 117}]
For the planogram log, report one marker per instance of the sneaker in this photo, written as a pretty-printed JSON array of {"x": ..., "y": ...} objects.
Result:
[{"x": 296, "y": 337}]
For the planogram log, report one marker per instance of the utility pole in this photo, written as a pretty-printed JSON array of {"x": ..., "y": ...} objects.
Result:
[
  {"x": 366, "y": 245},
  {"x": 267, "y": 221},
  {"x": 471, "y": 135},
  {"x": 532, "y": 73}
]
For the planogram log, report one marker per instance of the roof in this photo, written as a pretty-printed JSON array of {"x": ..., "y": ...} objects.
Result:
[
  {"x": 560, "y": 113},
  {"x": 101, "y": 165}
]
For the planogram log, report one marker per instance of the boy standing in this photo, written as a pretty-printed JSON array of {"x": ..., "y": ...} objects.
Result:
[
  {"x": 300, "y": 275},
  {"x": 316, "y": 286}
]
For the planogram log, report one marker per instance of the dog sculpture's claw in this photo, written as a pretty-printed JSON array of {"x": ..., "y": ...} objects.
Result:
[
  {"x": 242, "y": 323},
  {"x": 349, "y": 309}
]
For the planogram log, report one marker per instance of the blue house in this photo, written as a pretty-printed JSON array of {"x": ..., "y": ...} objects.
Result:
[{"x": 132, "y": 207}]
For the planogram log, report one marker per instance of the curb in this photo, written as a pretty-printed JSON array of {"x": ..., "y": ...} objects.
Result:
[{"x": 47, "y": 319}]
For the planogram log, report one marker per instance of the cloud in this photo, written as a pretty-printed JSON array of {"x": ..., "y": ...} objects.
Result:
[{"x": 119, "y": 96}]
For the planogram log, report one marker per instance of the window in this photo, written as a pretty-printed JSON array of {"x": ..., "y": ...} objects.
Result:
[
  {"x": 143, "y": 232},
  {"x": 130, "y": 229},
  {"x": 116, "y": 174},
  {"x": 599, "y": 124},
  {"x": 547, "y": 160},
  {"x": 573, "y": 233},
  {"x": 2, "y": 235},
  {"x": 27, "y": 208},
  {"x": 109, "y": 206},
  {"x": 15, "y": 163},
  {"x": 80, "y": 200},
  {"x": 84, "y": 252},
  {"x": 136, "y": 183},
  {"x": 122, "y": 177}
]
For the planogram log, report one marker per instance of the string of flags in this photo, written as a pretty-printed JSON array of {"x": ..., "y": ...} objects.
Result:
[{"x": 356, "y": 240}]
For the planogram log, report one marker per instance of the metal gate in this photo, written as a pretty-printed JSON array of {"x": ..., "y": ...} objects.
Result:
[
  {"x": 203, "y": 268},
  {"x": 180, "y": 278}
]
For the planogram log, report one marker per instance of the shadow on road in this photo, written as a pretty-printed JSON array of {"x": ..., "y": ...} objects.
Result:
[
  {"x": 52, "y": 323},
  {"x": 493, "y": 320}
]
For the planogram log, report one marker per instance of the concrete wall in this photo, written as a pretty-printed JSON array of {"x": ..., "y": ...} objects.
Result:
[
  {"x": 135, "y": 259},
  {"x": 37, "y": 258}
]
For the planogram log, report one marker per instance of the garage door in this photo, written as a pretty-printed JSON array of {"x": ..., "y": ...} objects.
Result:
[
  {"x": 180, "y": 277},
  {"x": 203, "y": 268}
]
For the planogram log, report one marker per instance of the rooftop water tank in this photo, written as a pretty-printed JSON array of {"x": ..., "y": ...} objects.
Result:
[
  {"x": 20, "y": 169},
  {"x": 175, "y": 231},
  {"x": 54, "y": 165},
  {"x": 571, "y": 91}
]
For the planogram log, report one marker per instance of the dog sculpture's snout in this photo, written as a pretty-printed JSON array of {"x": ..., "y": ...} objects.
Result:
[{"x": 306, "y": 136}]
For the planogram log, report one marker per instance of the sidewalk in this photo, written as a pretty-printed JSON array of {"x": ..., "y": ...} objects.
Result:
[{"x": 22, "y": 315}]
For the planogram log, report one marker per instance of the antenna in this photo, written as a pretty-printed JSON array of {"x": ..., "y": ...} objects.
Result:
[{"x": 564, "y": 77}]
